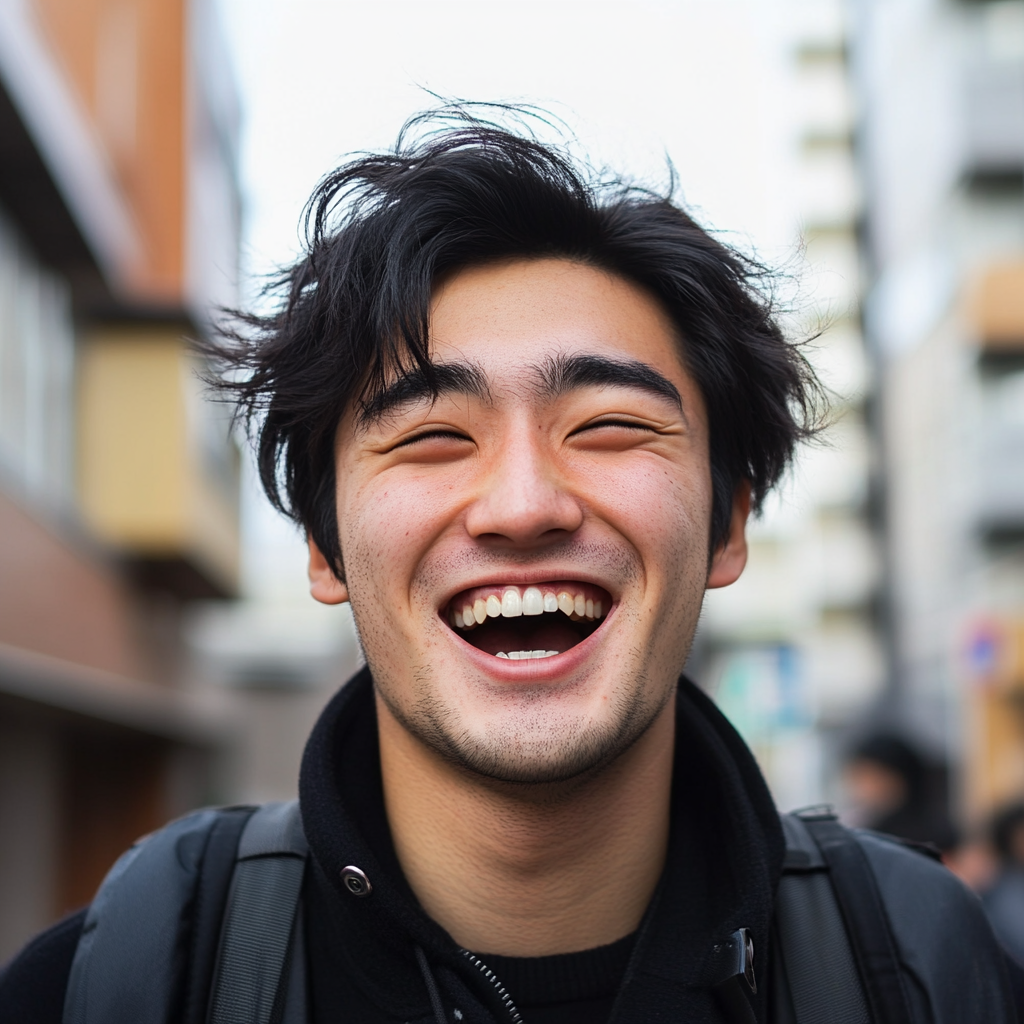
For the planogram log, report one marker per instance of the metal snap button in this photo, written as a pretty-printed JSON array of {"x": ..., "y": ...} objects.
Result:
[{"x": 354, "y": 879}]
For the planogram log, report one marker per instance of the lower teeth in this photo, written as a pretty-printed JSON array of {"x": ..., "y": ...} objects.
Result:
[{"x": 524, "y": 655}]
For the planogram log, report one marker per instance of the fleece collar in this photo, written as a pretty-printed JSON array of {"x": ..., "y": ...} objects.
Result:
[{"x": 725, "y": 856}]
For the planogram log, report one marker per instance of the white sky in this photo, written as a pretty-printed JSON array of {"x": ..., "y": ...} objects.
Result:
[{"x": 704, "y": 81}]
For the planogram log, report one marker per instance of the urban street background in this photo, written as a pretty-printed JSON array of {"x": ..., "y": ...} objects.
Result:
[{"x": 158, "y": 647}]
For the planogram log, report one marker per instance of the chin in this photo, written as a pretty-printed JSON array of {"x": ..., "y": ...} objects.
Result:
[{"x": 533, "y": 736}]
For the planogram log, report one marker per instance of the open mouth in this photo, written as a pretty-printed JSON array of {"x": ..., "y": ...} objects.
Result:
[{"x": 536, "y": 621}]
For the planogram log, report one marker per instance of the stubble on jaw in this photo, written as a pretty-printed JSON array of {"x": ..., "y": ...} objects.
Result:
[{"x": 536, "y": 748}]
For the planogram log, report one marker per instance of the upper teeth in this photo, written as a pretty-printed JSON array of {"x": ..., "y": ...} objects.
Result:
[{"x": 531, "y": 601}]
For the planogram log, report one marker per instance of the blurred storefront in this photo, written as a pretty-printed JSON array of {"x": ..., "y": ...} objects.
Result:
[{"x": 119, "y": 220}]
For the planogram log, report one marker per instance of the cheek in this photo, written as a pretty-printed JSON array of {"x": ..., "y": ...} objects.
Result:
[
  {"x": 664, "y": 510},
  {"x": 665, "y": 514},
  {"x": 385, "y": 527}
]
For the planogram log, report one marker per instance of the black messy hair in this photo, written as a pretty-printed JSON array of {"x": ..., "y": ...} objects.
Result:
[{"x": 458, "y": 191}]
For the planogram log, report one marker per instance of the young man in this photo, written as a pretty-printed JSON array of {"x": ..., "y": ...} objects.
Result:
[{"x": 523, "y": 419}]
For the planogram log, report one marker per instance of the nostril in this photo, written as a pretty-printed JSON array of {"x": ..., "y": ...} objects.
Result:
[{"x": 522, "y": 513}]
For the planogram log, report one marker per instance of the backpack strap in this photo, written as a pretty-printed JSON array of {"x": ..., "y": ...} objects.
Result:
[
  {"x": 260, "y": 971},
  {"x": 815, "y": 976},
  {"x": 208, "y": 911},
  {"x": 133, "y": 957},
  {"x": 856, "y": 892}
]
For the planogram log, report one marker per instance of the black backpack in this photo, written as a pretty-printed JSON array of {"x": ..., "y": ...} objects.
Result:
[{"x": 201, "y": 922}]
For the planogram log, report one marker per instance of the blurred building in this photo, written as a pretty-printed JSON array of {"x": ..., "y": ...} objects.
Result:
[
  {"x": 940, "y": 84},
  {"x": 886, "y": 586},
  {"x": 276, "y": 656},
  {"x": 794, "y": 652},
  {"x": 119, "y": 215}
]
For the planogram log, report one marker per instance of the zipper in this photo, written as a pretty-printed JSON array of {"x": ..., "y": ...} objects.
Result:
[{"x": 506, "y": 999}]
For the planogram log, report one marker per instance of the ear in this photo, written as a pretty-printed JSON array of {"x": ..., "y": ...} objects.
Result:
[
  {"x": 731, "y": 555},
  {"x": 323, "y": 584}
]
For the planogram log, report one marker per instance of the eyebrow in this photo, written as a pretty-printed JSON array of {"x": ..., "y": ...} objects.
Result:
[
  {"x": 561, "y": 374},
  {"x": 556, "y": 376},
  {"x": 414, "y": 385}
]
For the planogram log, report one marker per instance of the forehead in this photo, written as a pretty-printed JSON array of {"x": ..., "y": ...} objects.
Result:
[{"x": 506, "y": 316}]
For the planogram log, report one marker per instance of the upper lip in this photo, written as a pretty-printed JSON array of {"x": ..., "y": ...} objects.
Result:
[{"x": 526, "y": 577}]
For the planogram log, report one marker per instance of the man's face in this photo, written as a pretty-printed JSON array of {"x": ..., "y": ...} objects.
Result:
[{"x": 526, "y": 556}]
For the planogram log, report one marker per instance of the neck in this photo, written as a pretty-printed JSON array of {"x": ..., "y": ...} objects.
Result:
[{"x": 530, "y": 870}]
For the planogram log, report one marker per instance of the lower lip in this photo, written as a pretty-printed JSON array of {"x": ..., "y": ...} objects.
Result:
[{"x": 534, "y": 670}]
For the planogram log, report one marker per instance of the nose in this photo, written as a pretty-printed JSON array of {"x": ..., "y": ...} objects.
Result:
[{"x": 524, "y": 498}]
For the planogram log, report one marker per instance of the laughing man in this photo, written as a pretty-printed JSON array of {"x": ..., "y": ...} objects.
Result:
[{"x": 522, "y": 417}]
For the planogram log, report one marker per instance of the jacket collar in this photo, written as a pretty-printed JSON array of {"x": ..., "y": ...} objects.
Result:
[{"x": 725, "y": 857}]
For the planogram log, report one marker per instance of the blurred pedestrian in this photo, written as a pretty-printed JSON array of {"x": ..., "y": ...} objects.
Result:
[
  {"x": 896, "y": 789},
  {"x": 1004, "y": 898}
]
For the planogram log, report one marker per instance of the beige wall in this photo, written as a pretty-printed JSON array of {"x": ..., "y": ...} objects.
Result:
[{"x": 147, "y": 482}]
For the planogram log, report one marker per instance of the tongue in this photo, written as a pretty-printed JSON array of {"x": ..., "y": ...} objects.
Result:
[{"x": 515, "y": 635}]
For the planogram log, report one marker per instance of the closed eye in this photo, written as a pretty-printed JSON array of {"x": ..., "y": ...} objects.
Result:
[
  {"x": 430, "y": 435},
  {"x": 621, "y": 423}
]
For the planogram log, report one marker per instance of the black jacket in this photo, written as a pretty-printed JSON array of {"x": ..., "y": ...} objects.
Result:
[
  {"x": 726, "y": 850},
  {"x": 373, "y": 958}
]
